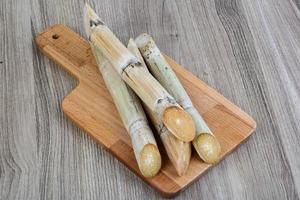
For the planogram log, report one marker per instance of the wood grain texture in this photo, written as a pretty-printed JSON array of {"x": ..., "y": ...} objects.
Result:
[
  {"x": 90, "y": 106},
  {"x": 248, "y": 50}
]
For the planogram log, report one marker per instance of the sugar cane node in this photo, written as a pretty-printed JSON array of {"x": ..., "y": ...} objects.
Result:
[{"x": 150, "y": 91}]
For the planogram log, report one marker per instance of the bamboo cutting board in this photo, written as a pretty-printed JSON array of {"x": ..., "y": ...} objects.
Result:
[{"x": 90, "y": 106}]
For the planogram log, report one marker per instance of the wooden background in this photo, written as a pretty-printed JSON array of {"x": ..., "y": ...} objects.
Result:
[{"x": 249, "y": 50}]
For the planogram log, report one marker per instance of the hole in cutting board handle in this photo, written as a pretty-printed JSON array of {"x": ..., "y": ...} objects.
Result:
[{"x": 55, "y": 36}]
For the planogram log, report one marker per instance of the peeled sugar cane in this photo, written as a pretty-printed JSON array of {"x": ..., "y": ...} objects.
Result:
[
  {"x": 150, "y": 91},
  {"x": 179, "y": 152},
  {"x": 205, "y": 143},
  {"x": 133, "y": 117}
]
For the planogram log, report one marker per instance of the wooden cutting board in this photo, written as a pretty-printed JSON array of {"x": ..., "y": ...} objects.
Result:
[{"x": 90, "y": 106}]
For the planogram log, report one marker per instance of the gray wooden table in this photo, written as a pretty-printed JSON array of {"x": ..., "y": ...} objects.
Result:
[{"x": 249, "y": 50}]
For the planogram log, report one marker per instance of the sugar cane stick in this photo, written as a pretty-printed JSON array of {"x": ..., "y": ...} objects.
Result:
[
  {"x": 205, "y": 143},
  {"x": 133, "y": 118},
  {"x": 179, "y": 152},
  {"x": 178, "y": 121}
]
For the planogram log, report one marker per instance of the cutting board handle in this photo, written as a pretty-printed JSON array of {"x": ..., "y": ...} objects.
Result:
[{"x": 69, "y": 50}]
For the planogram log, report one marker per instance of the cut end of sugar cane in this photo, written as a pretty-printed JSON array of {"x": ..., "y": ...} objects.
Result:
[
  {"x": 179, "y": 123},
  {"x": 150, "y": 160},
  {"x": 208, "y": 148},
  {"x": 183, "y": 163},
  {"x": 91, "y": 19},
  {"x": 179, "y": 153}
]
